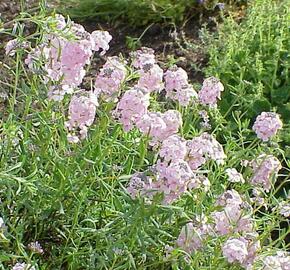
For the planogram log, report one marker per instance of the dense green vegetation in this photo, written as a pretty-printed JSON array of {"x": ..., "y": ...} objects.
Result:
[
  {"x": 252, "y": 59},
  {"x": 138, "y": 12}
]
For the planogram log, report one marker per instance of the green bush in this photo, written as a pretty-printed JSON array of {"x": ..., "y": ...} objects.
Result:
[
  {"x": 252, "y": 59},
  {"x": 137, "y": 12}
]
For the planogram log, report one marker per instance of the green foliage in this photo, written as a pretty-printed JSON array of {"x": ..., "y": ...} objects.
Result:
[
  {"x": 252, "y": 59},
  {"x": 134, "y": 12},
  {"x": 137, "y": 12}
]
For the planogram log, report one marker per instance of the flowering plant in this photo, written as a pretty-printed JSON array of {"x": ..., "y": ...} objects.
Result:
[{"x": 136, "y": 165}]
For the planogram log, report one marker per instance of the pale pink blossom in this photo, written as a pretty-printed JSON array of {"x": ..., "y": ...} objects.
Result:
[
  {"x": 100, "y": 41},
  {"x": 203, "y": 148},
  {"x": 35, "y": 247},
  {"x": 160, "y": 126},
  {"x": 65, "y": 51},
  {"x": 266, "y": 125},
  {"x": 232, "y": 218},
  {"x": 177, "y": 86},
  {"x": 151, "y": 78},
  {"x": 280, "y": 261},
  {"x": 192, "y": 236},
  {"x": 205, "y": 119},
  {"x": 172, "y": 179},
  {"x": 284, "y": 209},
  {"x": 110, "y": 78},
  {"x": 210, "y": 91},
  {"x": 242, "y": 250},
  {"x": 234, "y": 176},
  {"x": 265, "y": 168},
  {"x": 132, "y": 107},
  {"x": 143, "y": 57},
  {"x": 235, "y": 250},
  {"x": 82, "y": 112},
  {"x": 173, "y": 148},
  {"x": 138, "y": 185},
  {"x": 229, "y": 197}
]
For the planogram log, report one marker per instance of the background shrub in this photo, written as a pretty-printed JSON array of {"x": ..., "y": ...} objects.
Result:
[
  {"x": 252, "y": 59},
  {"x": 137, "y": 12}
]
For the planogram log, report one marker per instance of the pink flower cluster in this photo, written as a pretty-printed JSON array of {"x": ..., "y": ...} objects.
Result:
[
  {"x": 193, "y": 235},
  {"x": 177, "y": 86},
  {"x": 232, "y": 220},
  {"x": 280, "y": 261},
  {"x": 132, "y": 107},
  {"x": 65, "y": 54},
  {"x": 143, "y": 57},
  {"x": 265, "y": 169},
  {"x": 150, "y": 74},
  {"x": 110, "y": 78},
  {"x": 82, "y": 111},
  {"x": 173, "y": 179},
  {"x": 173, "y": 148},
  {"x": 232, "y": 217},
  {"x": 284, "y": 209},
  {"x": 160, "y": 126},
  {"x": 139, "y": 184},
  {"x": 234, "y": 176},
  {"x": 35, "y": 247},
  {"x": 203, "y": 148},
  {"x": 205, "y": 119},
  {"x": 210, "y": 91},
  {"x": 266, "y": 125},
  {"x": 172, "y": 174},
  {"x": 151, "y": 78},
  {"x": 242, "y": 250}
]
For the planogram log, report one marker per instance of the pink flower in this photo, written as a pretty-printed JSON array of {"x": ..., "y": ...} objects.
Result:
[
  {"x": 64, "y": 59},
  {"x": 234, "y": 176},
  {"x": 202, "y": 148},
  {"x": 242, "y": 250},
  {"x": 159, "y": 126},
  {"x": 210, "y": 91},
  {"x": 284, "y": 209},
  {"x": 232, "y": 217},
  {"x": 229, "y": 197},
  {"x": 172, "y": 179},
  {"x": 151, "y": 78},
  {"x": 139, "y": 184},
  {"x": 35, "y": 247},
  {"x": 111, "y": 77},
  {"x": 235, "y": 250},
  {"x": 265, "y": 169},
  {"x": 132, "y": 107},
  {"x": 173, "y": 148},
  {"x": 266, "y": 125},
  {"x": 82, "y": 111},
  {"x": 142, "y": 58},
  {"x": 100, "y": 40},
  {"x": 281, "y": 261},
  {"x": 192, "y": 236},
  {"x": 177, "y": 86}
]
